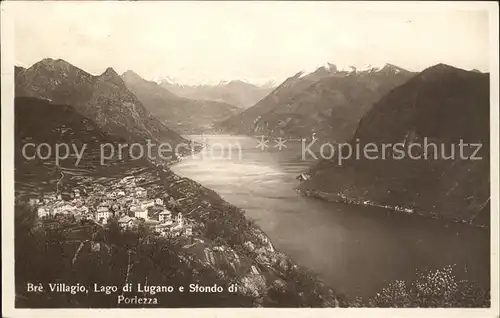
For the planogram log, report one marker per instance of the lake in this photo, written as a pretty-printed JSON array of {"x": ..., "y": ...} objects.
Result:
[{"x": 357, "y": 250}]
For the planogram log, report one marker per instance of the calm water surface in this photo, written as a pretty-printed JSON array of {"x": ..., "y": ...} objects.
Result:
[{"x": 357, "y": 250}]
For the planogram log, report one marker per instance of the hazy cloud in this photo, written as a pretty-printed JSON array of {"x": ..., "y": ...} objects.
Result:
[{"x": 257, "y": 41}]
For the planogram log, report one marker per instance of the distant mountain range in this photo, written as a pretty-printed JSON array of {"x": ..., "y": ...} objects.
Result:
[
  {"x": 179, "y": 113},
  {"x": 442, "y": 104},
  {"x": 103, "y": 99},
  {"x": 237, "y": 92},
  {"x": 328, "y": 102}
]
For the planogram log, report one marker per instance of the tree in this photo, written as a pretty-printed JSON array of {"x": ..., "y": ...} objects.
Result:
[{"x": 439, "y": 288}]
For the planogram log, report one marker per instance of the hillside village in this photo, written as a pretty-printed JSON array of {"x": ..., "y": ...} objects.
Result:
[{"x": 125, "y": 200}]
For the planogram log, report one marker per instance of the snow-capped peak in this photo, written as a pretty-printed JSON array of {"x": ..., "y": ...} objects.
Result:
[
  {"x": 362, "y": 69},
  {"x": 350, "y": 69},
  {"x": 164, "y": 79},
  {"x": 371, "y": 68},
  {"x": 258, "y": 82}
]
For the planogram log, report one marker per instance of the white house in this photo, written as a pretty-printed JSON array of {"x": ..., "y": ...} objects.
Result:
[
  {"x": 102, "y": 208},
  {"x": 141, "y": 213},
  {"x": 43, "y": 212},
  {"x": 179, "y": 222},
  {"x": 103, "y": 214},
  {"x": 179, "y": 219},
  {"x": 147, "y": 204},
  {"x": 134, "y": 208},
  {"x": 165, "y": 217}
]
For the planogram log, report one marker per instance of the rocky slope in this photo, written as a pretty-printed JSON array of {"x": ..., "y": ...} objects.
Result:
[
  {"x": 441, "y": 105},
  {"x": 238, "y": 93},
  {"x": 181, "y": 114},
  {"x": 225, "y": 247},
  {"x": 328, "y": 102},
  {"x": 104, "y": 99}
]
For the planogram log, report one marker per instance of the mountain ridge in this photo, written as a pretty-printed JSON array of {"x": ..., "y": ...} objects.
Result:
[
  {"x": 183, "y": 114},
  {"x": 240, "y": 93},
  {"x": 442, "y": 105},
  {"x": 103, "y": 98},
  {"x": 327, "y": 101}
]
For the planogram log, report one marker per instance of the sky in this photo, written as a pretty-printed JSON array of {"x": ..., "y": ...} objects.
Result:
[{"x": 195, "y": 42}]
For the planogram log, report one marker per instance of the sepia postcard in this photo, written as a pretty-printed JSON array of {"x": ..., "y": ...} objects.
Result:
[{"x": 227, "y": 159}]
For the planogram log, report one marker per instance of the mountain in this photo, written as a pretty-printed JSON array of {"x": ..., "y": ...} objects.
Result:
[
  {"x": 182, "y": 114},
  {"x": 442, "y": 105},
  {"x": 104, "y": 99},
  {"x": 329, "y": 102},
  {"x": 238, "y": 93}
]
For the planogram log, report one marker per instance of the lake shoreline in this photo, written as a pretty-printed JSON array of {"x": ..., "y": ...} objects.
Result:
[{"x": 336, "y": 198}]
